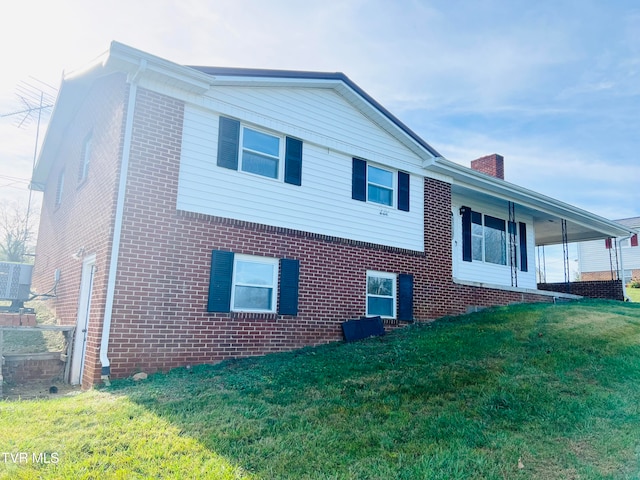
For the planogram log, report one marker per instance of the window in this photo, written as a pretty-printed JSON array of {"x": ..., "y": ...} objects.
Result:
[
  {"x": 381, "y": 294},
  {"x": 260, "y": 153},
  {"x": 86, "y": 157},
  {"x": 59, "y": 188},
  {"x": 247, "y": 283},
  {"x": 379, "y": 185},
  {"x": 495, "y": 240},
  {"x": 254, "y": 283},
  {"x": 484, "y": 239},
  {"x": 250, "y": 150}
]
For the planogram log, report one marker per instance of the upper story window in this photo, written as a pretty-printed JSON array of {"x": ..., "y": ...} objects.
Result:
[
  {"x": 380, "y": 185},
  {"x": 59, "y": 188},
  {"x": 250, "y": 150},
  {"x": 260, "y": 153},
  {"x": 383, "y": 186},
  {"x": 86, "y": 158}
]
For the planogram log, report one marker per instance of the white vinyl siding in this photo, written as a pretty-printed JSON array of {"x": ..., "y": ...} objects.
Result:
[
  {"x": 323, "y": 203},
  {"x": 483, "y": 271},
  {"x": 594, "y": 257}
]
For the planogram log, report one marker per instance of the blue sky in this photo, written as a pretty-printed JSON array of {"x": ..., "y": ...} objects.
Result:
[{"x": 553, "y": 86}]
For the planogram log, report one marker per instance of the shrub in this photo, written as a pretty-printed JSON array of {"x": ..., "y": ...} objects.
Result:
[{"x": 635, "y": 283}]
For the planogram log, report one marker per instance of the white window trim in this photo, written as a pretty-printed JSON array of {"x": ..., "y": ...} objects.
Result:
[
  {"x": 274, "y": 285},
  {"x": 394, "y": 278},
  {"x": 281, "y": 152},
  {"x": 394, "y": 186}
]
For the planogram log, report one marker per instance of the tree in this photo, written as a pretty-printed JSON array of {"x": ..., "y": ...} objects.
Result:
[{"x": 16, "y": 232}]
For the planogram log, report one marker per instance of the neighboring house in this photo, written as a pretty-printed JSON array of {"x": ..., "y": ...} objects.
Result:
[
  {"x": 194, "y": 214},
  {"x": 611, "y": 258}
]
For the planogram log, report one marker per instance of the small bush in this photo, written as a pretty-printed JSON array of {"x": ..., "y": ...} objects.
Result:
[{"x": 635, "y": 283}]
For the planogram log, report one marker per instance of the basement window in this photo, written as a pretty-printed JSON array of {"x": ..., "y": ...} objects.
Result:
[
  {"x": 255, "y": 284},
  {"x": 381, "y": 294}
]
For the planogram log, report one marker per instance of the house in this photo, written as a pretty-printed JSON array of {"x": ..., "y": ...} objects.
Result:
[
  {"x": 194, "y": 214},
  {"x": 611, "y": 258}
]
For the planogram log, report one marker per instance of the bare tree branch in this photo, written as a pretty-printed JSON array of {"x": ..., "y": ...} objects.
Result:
[{"x": 16, "y": 237}]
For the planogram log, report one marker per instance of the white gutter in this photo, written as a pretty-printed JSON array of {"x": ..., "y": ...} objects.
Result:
[{"x": 117, "y": 228}]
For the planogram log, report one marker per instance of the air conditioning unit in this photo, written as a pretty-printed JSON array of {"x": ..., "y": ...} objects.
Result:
[{"x": 15, "y": 281}]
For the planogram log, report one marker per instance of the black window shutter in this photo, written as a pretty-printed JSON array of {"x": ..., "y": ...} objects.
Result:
[
  {"x": 466, "y": 233},
  {"x": 359, "y": 180},
  {"x": 220, "y": 281},
  {"x": 293, "y": 162},
  {"x": 403, "y": 191},
  {"x": 288, "y": 292},
  {"x": 228, "y": 139},
  {"x": 524, "y": 263},
  {"x": 405, "y": 307}
]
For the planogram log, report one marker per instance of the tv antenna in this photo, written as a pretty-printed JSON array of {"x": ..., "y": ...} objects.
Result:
[{"x": 35, "y": 97}]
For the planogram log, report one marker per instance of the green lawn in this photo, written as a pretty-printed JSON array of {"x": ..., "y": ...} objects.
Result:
[
  {"x": 530, "y": 391},
  {"x": 633, "y": 294}
]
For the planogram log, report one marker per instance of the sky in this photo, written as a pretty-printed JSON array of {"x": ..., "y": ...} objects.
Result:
[{"x": 553, "y": 86}]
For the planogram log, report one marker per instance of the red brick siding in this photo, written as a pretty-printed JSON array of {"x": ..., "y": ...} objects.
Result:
[
  {"x": 85, "y": 216},
  {"x": 604, "y": 275}
]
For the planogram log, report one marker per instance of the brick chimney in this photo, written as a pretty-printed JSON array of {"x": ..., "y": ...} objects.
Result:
[{"x": 490, "y": 165}]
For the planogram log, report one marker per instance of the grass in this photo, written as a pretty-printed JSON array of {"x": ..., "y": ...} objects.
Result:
[
  {"x": 633, "y": 294},
  {"x": 531, "y": 391}
]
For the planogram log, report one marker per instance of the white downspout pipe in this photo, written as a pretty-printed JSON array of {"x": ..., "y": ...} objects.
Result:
[
  {"x": 621, "y": 273},
  {"x": 117, "y": 228}
]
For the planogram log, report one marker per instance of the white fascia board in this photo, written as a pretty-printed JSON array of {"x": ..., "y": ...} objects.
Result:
[
  {"x": 498, "y": 188},
  {"x": 138, "y": 63}
]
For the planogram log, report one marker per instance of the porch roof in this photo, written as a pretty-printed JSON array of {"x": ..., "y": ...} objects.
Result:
[{"x": 547, "y": 212}]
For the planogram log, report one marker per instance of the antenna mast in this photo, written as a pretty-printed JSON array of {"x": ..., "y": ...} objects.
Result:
[{"x": 34, "y": 98}]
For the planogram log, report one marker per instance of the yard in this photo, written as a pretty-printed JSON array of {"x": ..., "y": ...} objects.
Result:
[
  {"x": 528, "y": 391},
  {"x": 634, "y": 294}
]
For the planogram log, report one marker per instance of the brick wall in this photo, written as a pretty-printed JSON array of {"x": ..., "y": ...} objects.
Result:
[
  {"x": 604, "y": 275},
  {"x": 21, "y": 369},
  {"x": 611, "y": 289},
  {"x": 84, "y": 218}
]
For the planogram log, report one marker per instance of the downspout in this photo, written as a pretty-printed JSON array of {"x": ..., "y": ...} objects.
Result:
[
  {"x": 117, "y": 228},
  {"x": 621, "y": 273}
]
